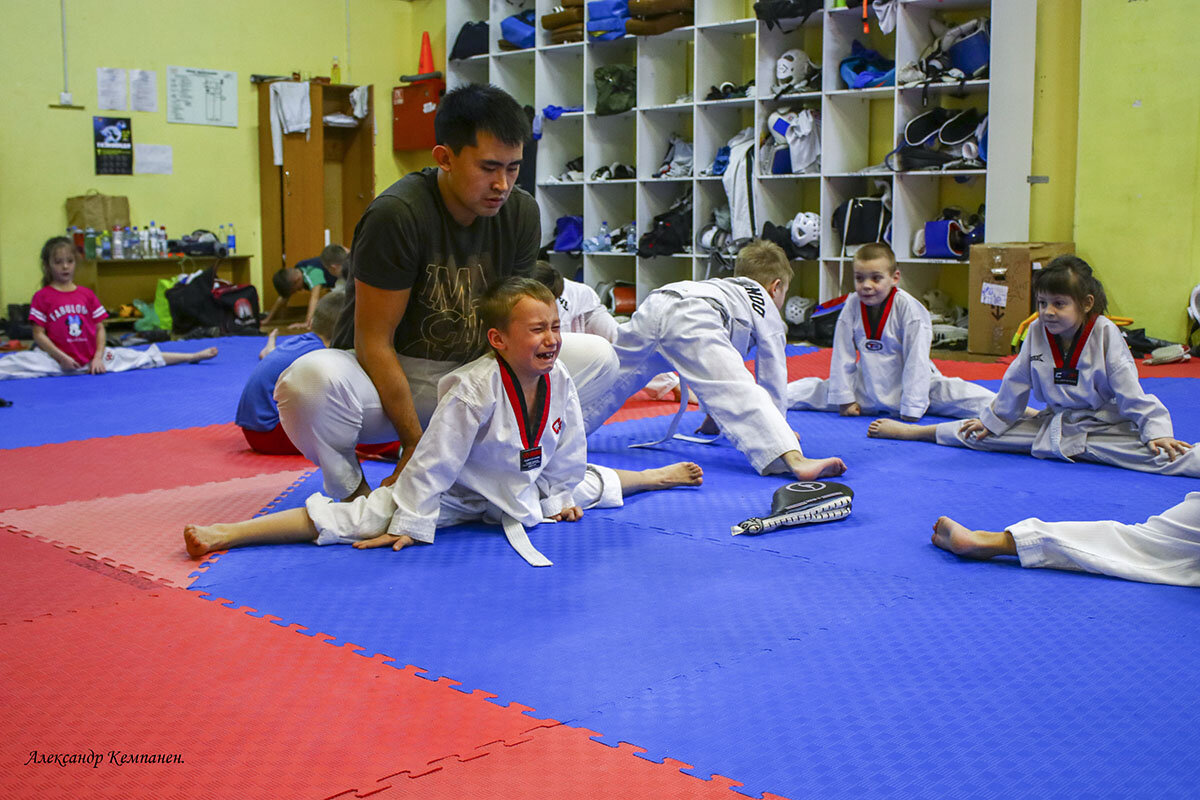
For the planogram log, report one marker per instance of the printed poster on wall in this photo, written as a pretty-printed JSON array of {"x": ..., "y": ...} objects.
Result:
[
  {"x": 113, "y": 138},
  {"x": 201, "y": 96}
]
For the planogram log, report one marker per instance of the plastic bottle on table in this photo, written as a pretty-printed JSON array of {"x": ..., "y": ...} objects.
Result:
[
  {"x": 105, "y": 245},
  {"x": 231, "y": 236},
  {"x": 118, "y": 242},
  {"x": 604, "y": 238},
  {"x": 335, "y": 76}
]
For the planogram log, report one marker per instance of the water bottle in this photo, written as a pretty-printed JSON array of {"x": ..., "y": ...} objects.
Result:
[
  {"x": 152, "y": 240},
  {"x": 118, "y": 242},
  {"x": 105, "y": 245},
  {"x": 631, "y": 239},
  {"x": 89, "y": 243},
  {"x": 604, "y": 238},
  {"x": 221, "y": 237},
  {"x": 231, "y": 237},
  {"x": 162, "y": 241}
]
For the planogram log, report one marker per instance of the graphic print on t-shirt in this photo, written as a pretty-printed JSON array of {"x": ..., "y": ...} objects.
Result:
[
  {"x": 449, "y": 326},
  {"x": 74, "y": 325}
]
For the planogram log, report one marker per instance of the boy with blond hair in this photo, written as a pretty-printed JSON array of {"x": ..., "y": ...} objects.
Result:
[
  {"x": 505, "y": 444},
  {"x": 704, "y": 330},
  {"x": 880, "y": 361}
]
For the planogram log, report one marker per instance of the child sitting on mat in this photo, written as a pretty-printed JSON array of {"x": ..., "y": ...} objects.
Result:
[
  {"x": 1074, "y": 360},
  {"x": 703, "y": 330},
  {"x": 313, "y": 274},
  {"x": 257, "y": 413},
  {"x": 68, "y": 328},
  {"x": 506, "y": 444},
  {"x": 889, "y": 332},
  {"x": 1163, "y": 549}
]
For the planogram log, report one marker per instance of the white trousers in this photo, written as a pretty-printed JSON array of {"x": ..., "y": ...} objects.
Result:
[
  {"x": 38, "y": 364},
  {"x": 1116, "y": 445},
  {"x": 948, "y": 397},
  {"x": 327, "y": 403},
  {"x": 369, "y": 516},
  {"x": 1163, "y": 549},
  {"x": 688, "y": 335}
]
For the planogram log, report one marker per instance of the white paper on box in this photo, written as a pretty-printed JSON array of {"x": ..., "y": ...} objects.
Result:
[{"x": 994, "y": 294}]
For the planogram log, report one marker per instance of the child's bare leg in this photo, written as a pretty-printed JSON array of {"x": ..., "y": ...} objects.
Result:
[
  {"x": 682, "y": 473},
  {"x": 283, "y": 527},
  {"x": 189, "y": 358},
  {"x": 270, "y": 345},
  {"x": 884, "y": 428},
  {"x": 807, "y": 469},
  {"x": 962, "y": 541}
]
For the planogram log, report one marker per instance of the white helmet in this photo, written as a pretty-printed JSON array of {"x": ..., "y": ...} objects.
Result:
[
  {"x": 806, "y": 228},
  {"x": 792, "y": 68}
]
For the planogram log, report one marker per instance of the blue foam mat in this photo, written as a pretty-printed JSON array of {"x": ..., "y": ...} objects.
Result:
[
  {"x": 47, "y": 410},
  {"x": 842, "y": 660}
]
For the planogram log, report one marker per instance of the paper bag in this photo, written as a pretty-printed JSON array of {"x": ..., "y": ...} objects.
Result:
[{"x": 99, "y": 211}]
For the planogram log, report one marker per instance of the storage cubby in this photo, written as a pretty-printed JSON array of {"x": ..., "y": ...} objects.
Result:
[{"x": 859, "y": 128}]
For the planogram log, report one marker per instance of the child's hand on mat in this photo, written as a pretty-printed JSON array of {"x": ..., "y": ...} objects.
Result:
[
  {"x": 974, "y": 429},
  {"x": 1172, "y": 447},
  {"x": 385, "y": 539},
  {"x": 97, "y": 365},
  {"x": 572, "y": 514},
  {"x": 850, "y": 409}
]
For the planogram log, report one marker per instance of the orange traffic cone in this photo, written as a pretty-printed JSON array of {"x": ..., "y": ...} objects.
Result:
[{"x": 425, "y": 66}]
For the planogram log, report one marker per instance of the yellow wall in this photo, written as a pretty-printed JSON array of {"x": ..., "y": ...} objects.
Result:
[
  {"x": 1116, "y": 123},
  {"x": 1136, "y": 216},
  {"x": 48, "y": 152}
]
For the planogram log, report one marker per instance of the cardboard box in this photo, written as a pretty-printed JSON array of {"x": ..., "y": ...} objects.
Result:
[{"x": 999, "y": 295}]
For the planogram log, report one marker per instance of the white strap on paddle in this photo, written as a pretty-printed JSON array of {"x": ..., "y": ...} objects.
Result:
[
  {"x": 684, "y": 394},
  {"x": 519, "y": 539}
]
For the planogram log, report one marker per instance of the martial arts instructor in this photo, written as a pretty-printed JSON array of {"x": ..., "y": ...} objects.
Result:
[{"x": 424, "y": 250}]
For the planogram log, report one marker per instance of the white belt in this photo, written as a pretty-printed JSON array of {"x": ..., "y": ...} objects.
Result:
[
  {"x": 515, "y": 533},
  {"x": 684, "y": 394}
]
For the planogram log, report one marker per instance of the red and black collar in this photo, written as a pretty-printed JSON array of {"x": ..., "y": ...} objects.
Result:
[
  {"x": 530, "y": 425},
  {"x": 876, "y": 332}
]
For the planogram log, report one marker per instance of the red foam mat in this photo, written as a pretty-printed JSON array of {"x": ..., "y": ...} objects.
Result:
[
  {"x": 241, "y": 707},
  {"x": 39, "y": 579},
  {"x": 550, "y": 763},
  {"x": 126, "y": 464},
  {"x": 143, "y": 533}
]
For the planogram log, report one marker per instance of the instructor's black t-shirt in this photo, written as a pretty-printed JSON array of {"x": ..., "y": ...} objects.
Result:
[{"x": 407, "y": 239}]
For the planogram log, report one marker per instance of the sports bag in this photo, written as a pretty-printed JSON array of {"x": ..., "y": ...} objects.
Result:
[
  {"x": 865, "y": 68},
  {"x": 239, "y": 307},
  {"x": 671, "y": 232},
  {"x": 862, "y": 220},
  {"x": 472, "y": 40},
  {"x": 616, "y": 89}
]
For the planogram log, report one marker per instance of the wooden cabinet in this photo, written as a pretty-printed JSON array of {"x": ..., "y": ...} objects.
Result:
[
  {"x": 120, "y": 280},
  {"x": 326, "y": 181}
]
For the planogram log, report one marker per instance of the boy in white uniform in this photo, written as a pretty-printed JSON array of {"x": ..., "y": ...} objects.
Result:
[
  {"x": 1163, "y": 549},
  {"x": 890, "y": 332},
  {"x": 505, "y": 444},
  {"x": 704, "y": 329},
  {"x": 1075, "y": 360}
]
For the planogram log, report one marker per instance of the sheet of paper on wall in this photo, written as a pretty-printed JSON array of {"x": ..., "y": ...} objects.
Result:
[
  {"x": 994, "y": 294},
  {"x": 202, "y": 96},
  {"x": 143, "y": 89},
  {"x": 152, "y": 159},
  {"x": 110, "y": 88}
]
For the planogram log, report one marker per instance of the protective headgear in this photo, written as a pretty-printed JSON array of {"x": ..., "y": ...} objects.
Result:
[
  {"x": 806, "y": 228},
  {"x": 792, "y": 68}
]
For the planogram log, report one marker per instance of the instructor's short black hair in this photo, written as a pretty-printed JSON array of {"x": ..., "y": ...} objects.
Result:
[{"x": 474, "y": 107}]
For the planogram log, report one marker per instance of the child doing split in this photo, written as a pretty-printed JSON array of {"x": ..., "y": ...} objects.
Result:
[
  {"x": 1074, "y": 360},
  {"x": 1163, "y": 549},
  {"x": 68, "y": 328},
  {"x": 889, "y": 331},
  {"x": 505, "y": 444},
  {"x": 703, "y": 330}
]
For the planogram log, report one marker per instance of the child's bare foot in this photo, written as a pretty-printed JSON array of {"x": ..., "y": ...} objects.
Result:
[
  {"x": 270, "y": 345},
  {"x": 807, "y": 469},
  {"x": 682, "y": 473},
  {"x": 204, "y": 539},
  {"x": 203, "y": 355},
  {"x": 962, "y": 541},
  {"x": 884, "y": 428}
]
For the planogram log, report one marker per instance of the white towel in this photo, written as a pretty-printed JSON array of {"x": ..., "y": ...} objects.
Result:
[
  {"x": 290, "y": 113},
  {"x": 359, "y": 101}
]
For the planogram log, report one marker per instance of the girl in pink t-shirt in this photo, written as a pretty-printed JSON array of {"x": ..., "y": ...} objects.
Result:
[{"x": 68, "y": 328}]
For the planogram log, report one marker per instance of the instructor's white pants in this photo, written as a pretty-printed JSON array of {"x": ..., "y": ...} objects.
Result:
[
  {"x": 369, "y": 516},
  {"x": 37, "y": 364},
  {"x": 327, "y": 403},
  {"x": 1163, "y": 549}
]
